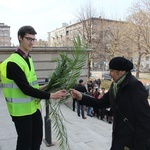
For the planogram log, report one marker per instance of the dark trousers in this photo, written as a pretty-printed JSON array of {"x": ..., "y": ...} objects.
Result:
[
  {"x": 102, "y": 113},
  {"x": 30, "y": 131},
  {"x": 80, "y": 108},
  {"x": 96, "y": 112},
  {"x": 74, "y": 104}
]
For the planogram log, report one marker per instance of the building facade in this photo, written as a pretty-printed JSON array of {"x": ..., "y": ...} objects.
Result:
[
  {"x": 5, "y": 39},
  {"x": 57, "y": 38},
  {"x": 96, "y": 32},
  {"x": 41, "y": 43}
]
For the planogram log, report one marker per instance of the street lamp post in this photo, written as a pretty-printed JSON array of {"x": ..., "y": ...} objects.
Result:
[
  {"x": 47, "y": 121},
  {"x": 48, "y": 134}
]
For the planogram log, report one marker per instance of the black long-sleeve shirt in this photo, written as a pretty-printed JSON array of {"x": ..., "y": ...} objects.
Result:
[
  {"x": 81, "y": 88},
  {"x": 14, "y": 72}
]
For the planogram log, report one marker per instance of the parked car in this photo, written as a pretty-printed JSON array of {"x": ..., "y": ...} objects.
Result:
[
  {"x": 144, "y": 70},
  {"x": 147, "y": 86},
  {"x": 91, "y": 78},
  {"x": 133, "y": 70},
  {"x": 106, "y": 76}
]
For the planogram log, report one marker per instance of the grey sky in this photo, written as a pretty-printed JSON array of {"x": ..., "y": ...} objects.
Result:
[{"x": 47, "y": 15}]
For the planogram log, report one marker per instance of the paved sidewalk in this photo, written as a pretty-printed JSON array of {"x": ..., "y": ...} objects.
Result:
[{"x": 88, "y": 134}]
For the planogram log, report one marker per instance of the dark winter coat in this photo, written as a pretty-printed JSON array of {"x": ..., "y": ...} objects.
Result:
[
  {"x": 80, "y": 88},
  {"x": 131, "y": 111}
]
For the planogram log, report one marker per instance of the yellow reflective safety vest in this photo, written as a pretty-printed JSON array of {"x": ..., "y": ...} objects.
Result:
[
  {"x": 18, "y": 103},
  {"x": 0, "y": 72}
]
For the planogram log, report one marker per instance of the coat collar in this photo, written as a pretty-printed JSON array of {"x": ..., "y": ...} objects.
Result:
[{"x": 122, "y": 85}]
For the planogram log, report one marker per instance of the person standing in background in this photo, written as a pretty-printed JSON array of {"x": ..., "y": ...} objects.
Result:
[
  {"x": 80, "y": 108},
  {"x": 95, "y": 109},
  {"x": 23, "y": 94},
  {"x": 90, "y": 109},
  {"x": 103, "y": 110},
  {"x": 99, "y": 82}
]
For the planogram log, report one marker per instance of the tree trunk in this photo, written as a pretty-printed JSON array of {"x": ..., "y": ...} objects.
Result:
[{"x": 138, "y": 65}]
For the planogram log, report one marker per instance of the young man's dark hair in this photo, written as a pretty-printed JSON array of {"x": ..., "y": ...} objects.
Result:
[{"x": 26, "y": 29}]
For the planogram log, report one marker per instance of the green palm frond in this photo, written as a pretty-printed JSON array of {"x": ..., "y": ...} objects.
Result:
[
  {"x": 58, "y": 126},
  {"x": 65, "y": 76}
]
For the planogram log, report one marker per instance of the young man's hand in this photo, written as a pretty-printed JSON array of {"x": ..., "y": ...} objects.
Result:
[{"x": 58, "y": 95}]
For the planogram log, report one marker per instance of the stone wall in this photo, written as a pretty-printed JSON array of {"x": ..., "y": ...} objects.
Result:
[{"x": 42, "y": 57}]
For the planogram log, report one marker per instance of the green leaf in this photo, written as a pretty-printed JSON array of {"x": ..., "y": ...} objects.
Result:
[{"x": 65, "y": 76}]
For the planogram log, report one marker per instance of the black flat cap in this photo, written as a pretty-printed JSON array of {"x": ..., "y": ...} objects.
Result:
[{"x": 120, "y": 63}]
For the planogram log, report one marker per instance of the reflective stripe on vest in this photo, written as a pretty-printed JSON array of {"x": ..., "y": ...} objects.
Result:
[
  {"x": 14, "y": 85},
  {"x": 20, "y": 100}
]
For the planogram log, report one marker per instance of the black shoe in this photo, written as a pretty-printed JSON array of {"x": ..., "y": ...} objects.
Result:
[
  {"x": 83, "y": 117},
  {"x": 89, "y": 115}
]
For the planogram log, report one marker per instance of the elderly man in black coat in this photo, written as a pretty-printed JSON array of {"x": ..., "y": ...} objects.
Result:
[{"x": 127, "y": 98}]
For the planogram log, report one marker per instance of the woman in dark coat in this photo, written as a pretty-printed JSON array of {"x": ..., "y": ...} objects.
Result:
[{"x": 127, "y": 98}]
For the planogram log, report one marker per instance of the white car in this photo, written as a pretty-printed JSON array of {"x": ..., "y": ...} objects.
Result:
[{"x": 106, "y": 76}]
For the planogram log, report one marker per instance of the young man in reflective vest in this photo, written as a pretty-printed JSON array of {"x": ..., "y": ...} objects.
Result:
[{"x": 22, "y": 92}]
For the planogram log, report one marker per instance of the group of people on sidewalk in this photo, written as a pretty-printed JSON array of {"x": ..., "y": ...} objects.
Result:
[{"x": 93, "y": 89}]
